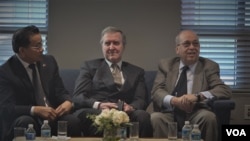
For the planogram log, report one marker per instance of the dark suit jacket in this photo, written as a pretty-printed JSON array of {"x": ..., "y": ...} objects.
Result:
[
  {"x": 206, "y": 78},
  {"x": 17, "y": 93},
  {"x": 95, "y": 83}
]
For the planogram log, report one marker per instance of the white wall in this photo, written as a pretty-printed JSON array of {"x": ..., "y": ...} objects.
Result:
[{"x": 150, "y": 26}]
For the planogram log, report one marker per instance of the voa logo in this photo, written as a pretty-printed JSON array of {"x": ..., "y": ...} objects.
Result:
[{"x": 236, "y": 132}]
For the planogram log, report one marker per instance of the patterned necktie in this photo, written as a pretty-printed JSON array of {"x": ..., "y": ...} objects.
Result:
[
  {"x": 181, "y": 86},
  {"x": 117, "y": 75},
  {"x": 39, "y": 95},
  {"x": 180, "y": 89}
]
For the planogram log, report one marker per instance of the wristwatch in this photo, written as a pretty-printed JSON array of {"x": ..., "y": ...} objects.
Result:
[{"x": 198, "y": 97}]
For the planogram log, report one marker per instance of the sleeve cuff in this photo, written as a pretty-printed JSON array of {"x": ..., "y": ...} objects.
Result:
[
  {"x": 32, "y": 110},
  {"x": 96, "y": 105}
]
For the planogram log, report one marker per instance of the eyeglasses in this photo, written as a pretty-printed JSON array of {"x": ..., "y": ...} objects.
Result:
[
  {"x": 187, "y": 44},
  {"x": 37, "y": 48}
]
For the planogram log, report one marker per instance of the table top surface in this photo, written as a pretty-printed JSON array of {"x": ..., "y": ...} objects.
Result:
[{"x": 100, "y": 139}]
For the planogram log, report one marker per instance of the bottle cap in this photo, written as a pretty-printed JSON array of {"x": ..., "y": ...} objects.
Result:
[
  {"x": 45, "y": 121},
  {"x": 30, "y": 125},
  {"x": 186, "y": 122},
  {"x": 196, "y": 125}
]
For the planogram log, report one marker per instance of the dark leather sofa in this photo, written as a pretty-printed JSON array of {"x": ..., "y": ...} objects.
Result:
[{"x": 222, "y": 108}]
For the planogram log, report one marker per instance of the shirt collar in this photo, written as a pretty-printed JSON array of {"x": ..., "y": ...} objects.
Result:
[
  {"x": 191, "y": 67},
  {"x": 110, "y": 63},
  {"x": 25, "y": 64}
]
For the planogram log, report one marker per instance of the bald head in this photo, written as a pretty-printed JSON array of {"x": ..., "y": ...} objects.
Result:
[{"x": 179, "y": 37}]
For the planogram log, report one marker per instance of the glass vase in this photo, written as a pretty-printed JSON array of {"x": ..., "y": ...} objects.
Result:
[
  {"x": 110, "y": 135},
  {"x": 121, "y": 133}
]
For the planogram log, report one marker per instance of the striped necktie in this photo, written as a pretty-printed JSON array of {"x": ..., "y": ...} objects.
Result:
[{"x": 117, "y": 75}]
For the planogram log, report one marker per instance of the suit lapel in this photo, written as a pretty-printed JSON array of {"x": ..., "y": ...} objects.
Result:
[
  {"x": 127, "y": 73},
  {"x": 198, "y": 78},
  {"x": 43, "y": 76},
  {"x": 22, "y": 74},
  {"x": 103, "y": 74},
  {"x": 173, "y": 75}
]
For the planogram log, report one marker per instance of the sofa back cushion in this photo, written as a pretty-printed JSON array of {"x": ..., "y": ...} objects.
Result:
[
  {"x": 149, "y": 80},
  {"x": 69, "y": 77}
]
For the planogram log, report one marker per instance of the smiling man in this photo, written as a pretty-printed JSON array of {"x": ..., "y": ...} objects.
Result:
[
  {"x": 110, "y": 82},
  {"x": 183, "y": 87}
]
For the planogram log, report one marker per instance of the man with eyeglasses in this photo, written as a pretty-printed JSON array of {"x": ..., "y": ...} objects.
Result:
[
  {"x": 185, "y": 96},
  {"x": 31, "y": 89}
]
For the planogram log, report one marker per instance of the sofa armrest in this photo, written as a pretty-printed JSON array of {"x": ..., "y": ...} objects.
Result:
[{"x": 222, "y": 109}]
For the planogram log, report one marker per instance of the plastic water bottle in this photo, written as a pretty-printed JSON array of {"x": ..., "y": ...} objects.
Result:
[
  {"x": 30, "y": 133},
  {"x": 186, "y": 131},
  {"x": 196, "y": 133},
  {"x": 45, "y": 130}
]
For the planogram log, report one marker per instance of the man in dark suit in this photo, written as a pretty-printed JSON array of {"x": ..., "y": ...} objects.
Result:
[
  {"x": 97, "y": 89},
  {"x": 20, "y": 101},
  {"x": 203, "y": 84}
]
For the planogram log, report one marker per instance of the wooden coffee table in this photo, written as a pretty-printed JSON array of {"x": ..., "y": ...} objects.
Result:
[{"x": 100, "y": 139}]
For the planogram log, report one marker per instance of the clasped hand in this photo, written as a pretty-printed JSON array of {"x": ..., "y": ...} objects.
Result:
[
  {"x": 185, "y": 102},
  {"x": 51, "y": 113},
  {"x": 109, "y": 105}
]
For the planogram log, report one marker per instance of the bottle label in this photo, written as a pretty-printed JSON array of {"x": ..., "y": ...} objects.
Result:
[
  {"x": 30, "y": 136},
  {"x": 45, "y": 133},
  {"x": 196, "y": 137},
  {"x": 186, "y": 134}
]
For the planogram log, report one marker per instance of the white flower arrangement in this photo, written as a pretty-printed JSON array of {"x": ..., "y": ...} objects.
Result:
[{"x": 110, "y": 119}]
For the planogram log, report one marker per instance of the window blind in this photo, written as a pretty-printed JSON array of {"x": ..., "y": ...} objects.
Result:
[
  {"x": 16, "y": 14},
  {"x": 224, "y": 30}
]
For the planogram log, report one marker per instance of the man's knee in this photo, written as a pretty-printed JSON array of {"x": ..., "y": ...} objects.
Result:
[
  {"x": 24, "y": 120},
  {"x": 156, "y": 117},
  {"x": 142, "y": 116},
  {"x": 210, "y": 117},
  {"x": 72, "y": 120}
]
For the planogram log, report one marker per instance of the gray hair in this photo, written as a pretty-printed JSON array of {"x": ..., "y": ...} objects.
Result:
[{"x": 111, "y": 29}]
